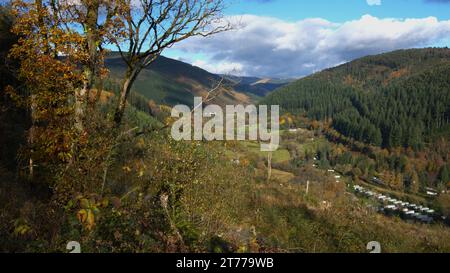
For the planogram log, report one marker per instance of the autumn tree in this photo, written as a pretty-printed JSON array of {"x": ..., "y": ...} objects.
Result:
[
  {"x": 61, "y": 54},
  {"x": 94, "y": 20},
  {"x": 151, "y": 26},
  {"x": 48, "y": 81}
]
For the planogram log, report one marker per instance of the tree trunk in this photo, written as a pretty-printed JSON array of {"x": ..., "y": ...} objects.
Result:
[
  {"x": 32, "y": 133},
  {"x": 82, "y": 96},
  {"x": 130, "y": 77},
  {"x": 31, "y": 136},
  {"x": 269, "y": 166},
  {"x": 93, "y": 41},
  {"x": 80, "y": 102},
  {"x": 98, "y": 95}
]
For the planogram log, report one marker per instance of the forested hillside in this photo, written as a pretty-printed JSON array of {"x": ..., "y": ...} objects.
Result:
[
  {"x": 172, "y": 82},
  {"x": 398, "y": 99}
]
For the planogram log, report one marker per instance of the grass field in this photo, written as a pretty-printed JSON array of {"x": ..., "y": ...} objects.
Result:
[{"x": 280, "y": 155}]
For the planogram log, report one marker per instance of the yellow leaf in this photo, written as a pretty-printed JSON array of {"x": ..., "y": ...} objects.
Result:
[
  {"x": 82, "y": 215},
  {"x": 90, "y": 220},
  {"x": 22, "y": 229}
]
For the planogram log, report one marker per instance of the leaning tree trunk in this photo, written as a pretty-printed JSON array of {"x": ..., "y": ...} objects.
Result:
[{"x": 130, "y": 77}]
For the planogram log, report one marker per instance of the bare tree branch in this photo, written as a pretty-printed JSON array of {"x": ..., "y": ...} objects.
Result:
[{"x": 148, "y": 27}]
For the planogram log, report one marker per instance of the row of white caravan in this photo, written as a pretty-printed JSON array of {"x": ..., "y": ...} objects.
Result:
[{"x": 392, "y": 206}]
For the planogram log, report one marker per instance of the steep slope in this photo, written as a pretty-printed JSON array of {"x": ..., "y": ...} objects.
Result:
[
  {"x": 395, "y": 99},
  {"x": 172, "y": 82}
]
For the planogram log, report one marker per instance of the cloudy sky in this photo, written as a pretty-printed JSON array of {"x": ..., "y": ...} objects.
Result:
[{"x": 294, "y": 38}]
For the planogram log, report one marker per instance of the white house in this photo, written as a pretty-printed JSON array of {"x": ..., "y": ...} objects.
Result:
[{"x": 430, "y": 193}]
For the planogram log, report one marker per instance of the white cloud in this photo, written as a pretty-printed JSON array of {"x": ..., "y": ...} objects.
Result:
[
  {"x": 374, "y": 2},
  {"x": 266, "y": 46},
  {"x": 232, "y": 68}
]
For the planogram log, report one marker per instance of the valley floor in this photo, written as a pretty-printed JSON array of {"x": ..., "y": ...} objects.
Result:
[{"x": 315, "y": 209}]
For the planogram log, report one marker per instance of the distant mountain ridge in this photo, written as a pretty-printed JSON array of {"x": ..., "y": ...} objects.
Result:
[
  {"x": 257, "y": 86},
  {"x": 168, "y": 81},
  {"x": 171, "y": 82}
]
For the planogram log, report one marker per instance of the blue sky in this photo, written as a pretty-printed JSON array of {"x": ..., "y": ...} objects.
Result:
[
  {"x": 294, "y": 38},
  {"x": 339, "y": 10}
]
